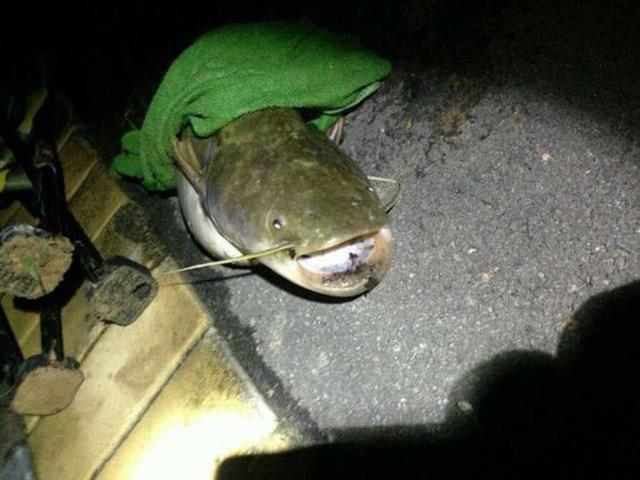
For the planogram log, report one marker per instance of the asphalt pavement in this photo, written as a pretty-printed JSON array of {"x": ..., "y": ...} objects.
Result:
[{"x": 520, "y": 160}]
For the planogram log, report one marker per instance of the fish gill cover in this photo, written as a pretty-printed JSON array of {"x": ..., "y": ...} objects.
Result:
[{"x": 241, "y": 68}]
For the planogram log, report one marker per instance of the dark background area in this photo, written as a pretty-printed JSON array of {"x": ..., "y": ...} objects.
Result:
[
  {"x": 110, "y": 56},
  {"x": 530, "y": 414}
]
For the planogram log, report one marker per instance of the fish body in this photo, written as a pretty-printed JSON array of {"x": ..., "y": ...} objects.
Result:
[{"x": 268, "y": 179}]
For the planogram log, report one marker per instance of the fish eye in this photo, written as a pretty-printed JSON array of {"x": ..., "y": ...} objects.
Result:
[{"x": 278, "y": 223}]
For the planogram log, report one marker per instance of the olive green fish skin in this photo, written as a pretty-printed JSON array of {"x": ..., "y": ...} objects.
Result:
[{"x": 275, "y": 180}]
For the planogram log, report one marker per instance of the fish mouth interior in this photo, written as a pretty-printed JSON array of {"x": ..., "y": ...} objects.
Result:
[{"x": 352, "y": 266}]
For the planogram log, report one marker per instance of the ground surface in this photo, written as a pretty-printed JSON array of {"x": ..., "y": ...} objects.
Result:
[
  {"x": 515, "y": 127},
  {"x": 521, "y": 167}
]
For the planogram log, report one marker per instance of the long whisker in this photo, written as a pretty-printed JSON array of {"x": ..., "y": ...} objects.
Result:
[{"x": 242, "y": 258}]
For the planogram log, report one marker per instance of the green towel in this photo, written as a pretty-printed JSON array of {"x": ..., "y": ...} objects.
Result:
[{"x": 241, "y": 68}]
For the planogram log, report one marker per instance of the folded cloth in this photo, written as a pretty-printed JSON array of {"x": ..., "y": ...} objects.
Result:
[{"x": 241, "y": 68}]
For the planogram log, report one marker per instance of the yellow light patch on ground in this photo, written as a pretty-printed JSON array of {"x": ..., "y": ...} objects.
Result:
[
  {"x": 79, "y": 331},
  {"x": 123, "y": 372},
  {"x": 96, "y": 201},
  {"x": 203, "y": 415},
  {"x": 193, "y": 450},
  {"x": 77, "y": 158},
  {"x": 127, "y": 234}
]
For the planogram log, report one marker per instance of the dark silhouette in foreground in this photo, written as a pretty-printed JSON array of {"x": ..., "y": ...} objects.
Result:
[{"x": 523, "y": 414}]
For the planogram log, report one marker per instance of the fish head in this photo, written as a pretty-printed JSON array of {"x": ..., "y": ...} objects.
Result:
[{"x": 305, "y": 192}]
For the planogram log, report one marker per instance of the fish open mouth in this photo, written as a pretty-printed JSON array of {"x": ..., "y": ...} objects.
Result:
[{"x": 351, "y": 267}]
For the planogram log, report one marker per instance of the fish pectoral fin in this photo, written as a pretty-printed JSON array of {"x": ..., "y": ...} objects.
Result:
[
  {"x": 188, "y": 163},
  {"x": 397, "y": 194}
]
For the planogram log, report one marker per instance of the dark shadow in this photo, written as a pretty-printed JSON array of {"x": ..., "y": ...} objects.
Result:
[{"x": 522, "y": 414}]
